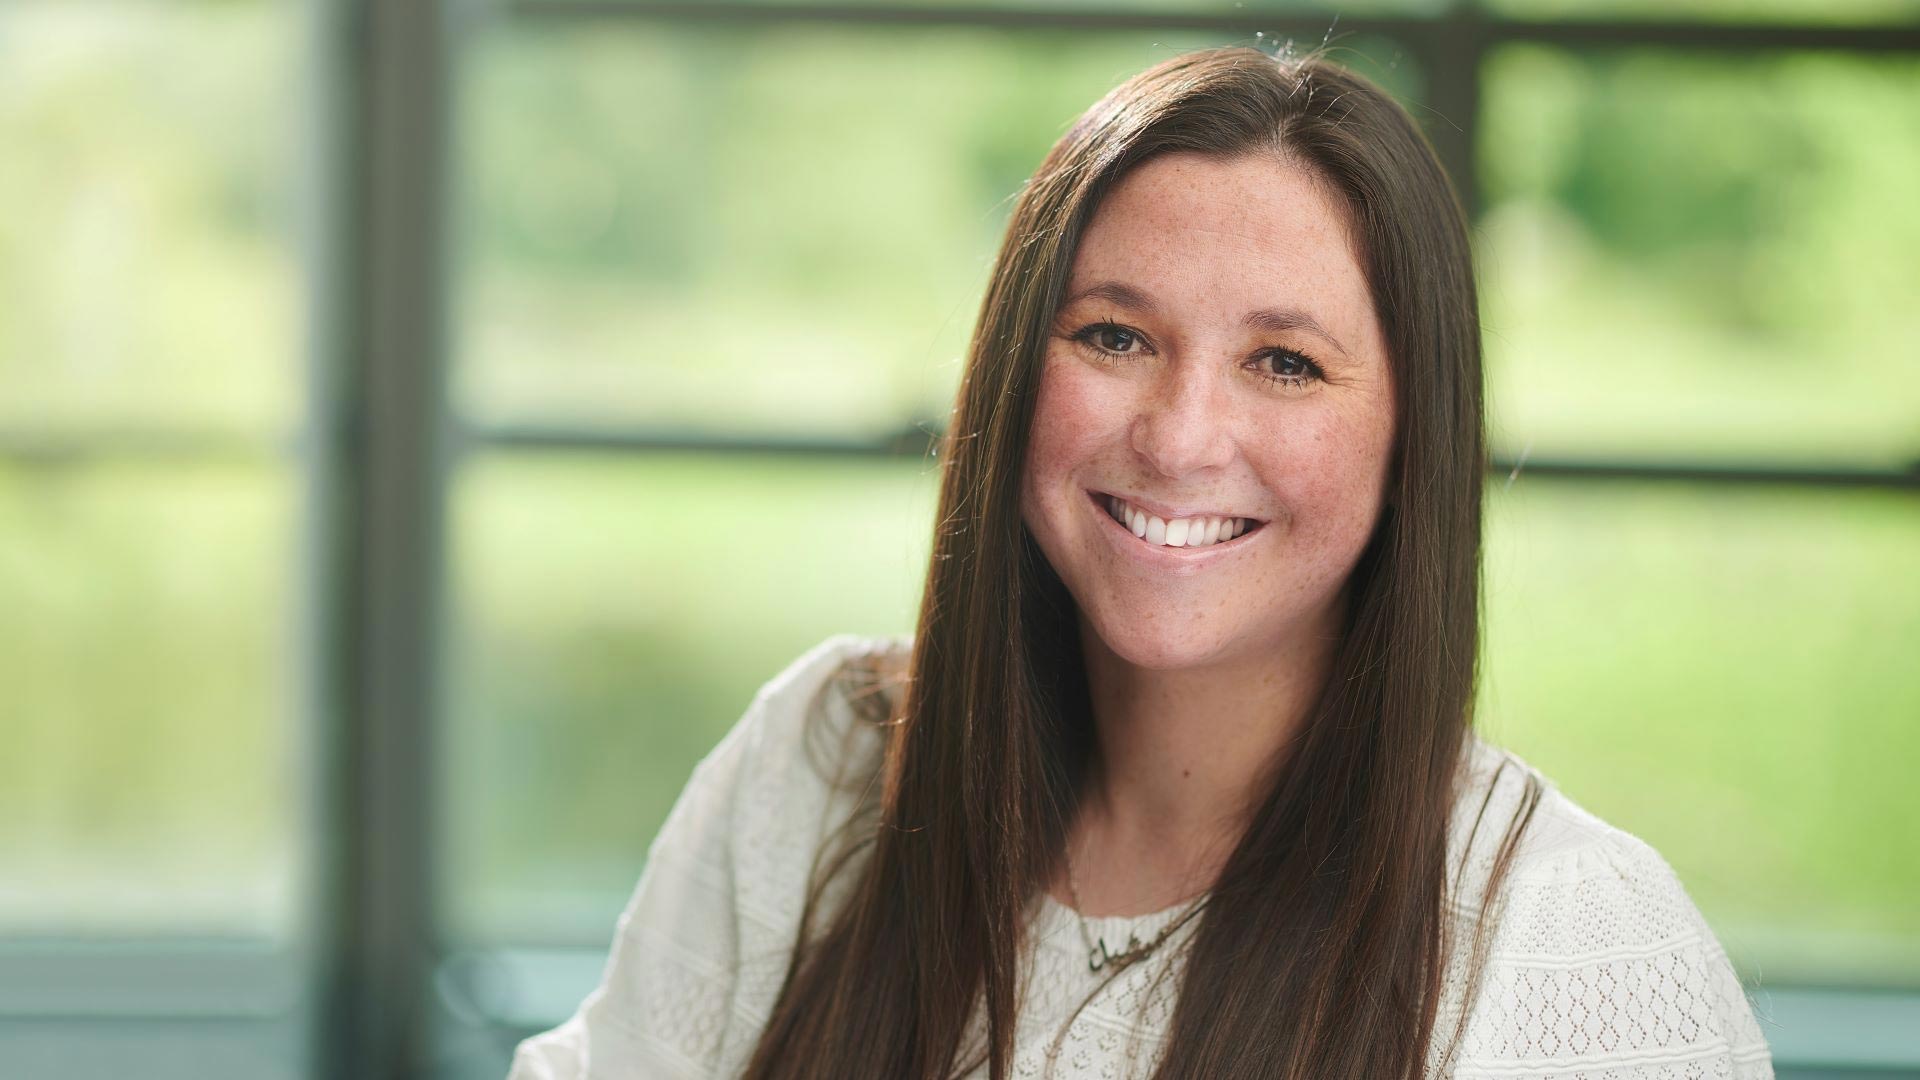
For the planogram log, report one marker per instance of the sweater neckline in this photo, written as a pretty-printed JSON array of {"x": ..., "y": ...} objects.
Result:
[{"x": 1057, "y": 926}]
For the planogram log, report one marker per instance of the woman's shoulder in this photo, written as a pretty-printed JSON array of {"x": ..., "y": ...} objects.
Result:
[
  {"x": 819, "y": 693},
  {"x": 803, "y": 760},
  {"x": 1592, "y": 928},
  {"x": 842, "y": 689},
  {"x": 833, "y": 660},
  {"x": 1561, "y": 844},
  {"x": 709, "y": 931}
]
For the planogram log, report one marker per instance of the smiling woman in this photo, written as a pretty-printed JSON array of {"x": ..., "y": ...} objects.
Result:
[{"x": 1177, "y": 776}]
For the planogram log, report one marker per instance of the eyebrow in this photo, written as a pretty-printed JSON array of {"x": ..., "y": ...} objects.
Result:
[{"x": 1269, "y": 320}]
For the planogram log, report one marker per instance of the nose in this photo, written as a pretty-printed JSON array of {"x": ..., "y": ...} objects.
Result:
[{"x": 1181, "y": 426}]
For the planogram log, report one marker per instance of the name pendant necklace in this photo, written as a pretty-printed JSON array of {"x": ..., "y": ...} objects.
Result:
[{"x": 1099, "y": 955}]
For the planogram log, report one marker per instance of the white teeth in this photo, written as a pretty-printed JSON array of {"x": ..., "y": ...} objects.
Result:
[{"x": 1180, "y": 532}]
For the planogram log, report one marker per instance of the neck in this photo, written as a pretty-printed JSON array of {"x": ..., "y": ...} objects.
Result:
[{"x": 1183, "y": 754}]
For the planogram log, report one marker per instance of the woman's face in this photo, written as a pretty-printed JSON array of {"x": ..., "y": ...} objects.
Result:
[{"x": 1219, "y": 369}]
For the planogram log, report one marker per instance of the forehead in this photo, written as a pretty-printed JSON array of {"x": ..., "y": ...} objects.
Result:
[{"x": 1248, "y": 232}]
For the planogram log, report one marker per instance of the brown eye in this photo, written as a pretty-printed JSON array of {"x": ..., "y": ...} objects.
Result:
[
  {"x": 1109, "y": 342},
  {"x": 1287, "y": 368},
  {"x": 1114, "y": 339},
  {"x": 1288, "y": 365}
]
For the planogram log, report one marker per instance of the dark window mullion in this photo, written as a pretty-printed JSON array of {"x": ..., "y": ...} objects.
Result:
[{"x": 377, "y": 508}]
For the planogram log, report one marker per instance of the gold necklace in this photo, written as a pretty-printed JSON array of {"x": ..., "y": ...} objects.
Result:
[{"x": 1099, "y": 955}]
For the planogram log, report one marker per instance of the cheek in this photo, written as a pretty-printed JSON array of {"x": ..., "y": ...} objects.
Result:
[
  {"x": 1329, "y": 472},
  {"x": 1069, "y": 425}
]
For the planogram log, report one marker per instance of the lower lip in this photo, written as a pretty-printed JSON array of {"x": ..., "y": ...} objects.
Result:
[{"x": 1160, "y": 554}]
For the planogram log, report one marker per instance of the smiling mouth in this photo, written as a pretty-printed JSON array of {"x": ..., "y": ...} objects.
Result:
[{"x": 1187, "y": 532}]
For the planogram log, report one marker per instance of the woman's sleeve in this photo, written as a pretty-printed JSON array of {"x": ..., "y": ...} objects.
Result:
[
  {"x": 1603, "y": 967},
  {"x": 667, "y": 993}
]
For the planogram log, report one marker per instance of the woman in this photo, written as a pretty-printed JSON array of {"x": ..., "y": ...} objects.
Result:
[{"x": 1176, "y": 777}]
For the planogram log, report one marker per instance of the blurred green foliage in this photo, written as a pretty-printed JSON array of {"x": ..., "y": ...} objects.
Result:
[
  {"x": 1727, "y": 673},
  {"x": 148, "y": 275},
  {"x": 149, "y": 285},
  {"x": 1702, "y": 258},
  {"x": 148, "y": 781},
  {"x": 614, "y": 617}
]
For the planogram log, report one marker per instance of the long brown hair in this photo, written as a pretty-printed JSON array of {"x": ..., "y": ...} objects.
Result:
[{"x": 1323, "y": 946}]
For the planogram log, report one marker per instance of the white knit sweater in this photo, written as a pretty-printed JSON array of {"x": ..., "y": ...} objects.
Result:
[{"x": 1601, "y": 966}]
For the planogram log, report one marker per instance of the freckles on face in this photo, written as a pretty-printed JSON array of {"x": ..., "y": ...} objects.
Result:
[{"x": 1218, "y": 357}]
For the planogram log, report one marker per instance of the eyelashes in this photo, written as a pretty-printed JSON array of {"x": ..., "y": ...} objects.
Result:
[{"x": 1111, "y": 342}]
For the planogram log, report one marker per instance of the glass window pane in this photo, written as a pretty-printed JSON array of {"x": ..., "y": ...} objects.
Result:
[
  {"x": 1702, "y": 258},
  {"x": 777, "y": 229},
  {"x": 150, "y": 296},
  {"x": 145, "y": 788},
  {"x": 1729, "y": 674},
  {"x": 148, "y": 277},
  {"x": 615, "y": 617}
]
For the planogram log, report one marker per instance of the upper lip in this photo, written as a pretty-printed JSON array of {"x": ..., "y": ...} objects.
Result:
[{"x": 1170, "y": 513}]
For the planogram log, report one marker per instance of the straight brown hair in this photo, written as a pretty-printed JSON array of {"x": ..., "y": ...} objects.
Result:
[{"x": 1322, "y": 948}]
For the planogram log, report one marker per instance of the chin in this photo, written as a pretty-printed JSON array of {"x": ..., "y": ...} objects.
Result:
[{"x": 1158, "y": 648}]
